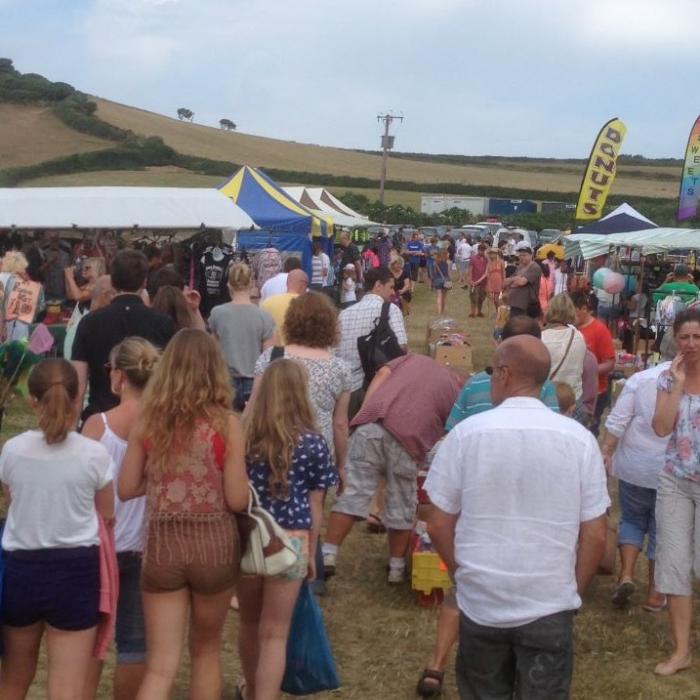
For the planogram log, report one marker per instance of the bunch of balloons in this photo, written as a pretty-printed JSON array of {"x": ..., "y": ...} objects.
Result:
[{"x": 610, "y": 281}]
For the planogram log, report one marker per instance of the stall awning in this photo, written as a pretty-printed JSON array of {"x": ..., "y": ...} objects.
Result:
[
  {"x": 322, "y": 201},
  {"x": 655, "y": 240},
  {"x": 150, "y": 208},
  {"x": 271, "y": 207}
]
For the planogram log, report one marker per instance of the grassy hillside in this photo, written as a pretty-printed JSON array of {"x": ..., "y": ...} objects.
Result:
[
  {"x": 32, "y": 133},
  {"x": 548, "y": 175}
]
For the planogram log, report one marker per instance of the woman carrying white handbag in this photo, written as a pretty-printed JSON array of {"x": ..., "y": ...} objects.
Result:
[{"x": 289, "y": 467}]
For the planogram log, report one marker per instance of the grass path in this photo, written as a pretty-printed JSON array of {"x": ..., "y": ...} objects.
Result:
[{"x": 380, "y": 637}]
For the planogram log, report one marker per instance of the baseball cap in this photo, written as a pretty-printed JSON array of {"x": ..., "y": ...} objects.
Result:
[{"x": 523, "y": 247}]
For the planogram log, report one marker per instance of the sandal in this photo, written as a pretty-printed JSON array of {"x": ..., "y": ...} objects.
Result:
[
  {"x": 375, "y": 524},
  {"x": 652, "y": 607},
  {"x": 430, "y": 683}
]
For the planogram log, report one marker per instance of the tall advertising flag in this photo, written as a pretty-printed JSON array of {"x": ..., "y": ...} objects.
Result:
[
  {"x": 601, "y": 171},
  {"x": 690, "y": 179}
]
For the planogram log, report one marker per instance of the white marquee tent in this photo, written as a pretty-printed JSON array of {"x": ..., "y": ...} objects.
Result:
[
  {"x": 149, "y": 208},
  {"x": 320, "y": 200}
]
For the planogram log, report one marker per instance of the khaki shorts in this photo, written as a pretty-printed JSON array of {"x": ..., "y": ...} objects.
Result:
[{"x": 373, "y": 453}]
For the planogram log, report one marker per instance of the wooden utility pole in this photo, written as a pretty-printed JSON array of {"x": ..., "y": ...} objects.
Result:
[{"x": 387, "y": 145}]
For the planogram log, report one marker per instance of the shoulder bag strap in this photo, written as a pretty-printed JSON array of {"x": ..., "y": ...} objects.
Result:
[
  {"x": 277, "y": 353},
  {"x": 564, "y": 356},
  {"x": 386, "y": 307}
]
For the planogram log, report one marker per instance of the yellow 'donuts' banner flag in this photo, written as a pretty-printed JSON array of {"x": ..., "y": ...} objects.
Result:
[{"x": 601, "y": 171}]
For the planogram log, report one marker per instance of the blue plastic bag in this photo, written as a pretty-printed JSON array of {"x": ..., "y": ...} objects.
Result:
[{"x": 310, "y": 665}]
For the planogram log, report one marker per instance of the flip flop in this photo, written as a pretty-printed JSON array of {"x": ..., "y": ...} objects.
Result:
[
  {"x": 430, "y": 683},
  {"x": 655, "y": 608}
]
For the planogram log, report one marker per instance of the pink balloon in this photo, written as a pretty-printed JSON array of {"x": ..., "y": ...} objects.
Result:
[{"x": 613, "y": 283}]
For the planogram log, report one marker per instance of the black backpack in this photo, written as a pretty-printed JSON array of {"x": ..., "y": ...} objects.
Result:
[{"x": 379, "y": 346}]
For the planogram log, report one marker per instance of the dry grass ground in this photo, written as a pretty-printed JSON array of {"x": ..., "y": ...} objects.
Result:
[
  {"x": 30, "y": 134},
  {"x": 381, "y": 638},
  {"x": 260, "y": 151}
]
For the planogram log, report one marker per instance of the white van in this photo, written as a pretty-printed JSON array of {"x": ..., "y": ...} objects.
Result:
[{"x": 508, "y": 233}]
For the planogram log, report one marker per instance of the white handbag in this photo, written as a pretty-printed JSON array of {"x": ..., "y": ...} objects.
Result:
[{"x": 267, "y": 550}]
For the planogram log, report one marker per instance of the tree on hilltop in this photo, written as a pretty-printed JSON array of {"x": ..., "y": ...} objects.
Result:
[
  {"x": 184, "y": 113},
  {"x": 227, "y": 125}
]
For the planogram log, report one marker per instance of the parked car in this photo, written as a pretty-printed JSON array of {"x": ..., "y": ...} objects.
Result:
[
  {"x": 507, "y": 233},
  {"x": 475, "y": 231},
  {"x": 493, "y": 226}
]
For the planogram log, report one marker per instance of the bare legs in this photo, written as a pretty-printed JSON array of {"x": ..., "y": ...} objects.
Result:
[
  {"x": 68, "y": 659},
  {"x": 680, "y": 608},
  {"x": 441, "y": 294},
  {"x": 166, "y": 617},
  {"x": 340, "y": 524},
  {"x": 19, "y": 661},
  {"x": 267, "y": 605}
]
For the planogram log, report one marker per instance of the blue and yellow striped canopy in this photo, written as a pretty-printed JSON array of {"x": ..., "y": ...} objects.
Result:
[{"x": 271, "y": 207}]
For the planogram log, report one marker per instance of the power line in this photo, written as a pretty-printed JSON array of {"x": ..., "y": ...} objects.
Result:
[{"x": 387, "y": 145}]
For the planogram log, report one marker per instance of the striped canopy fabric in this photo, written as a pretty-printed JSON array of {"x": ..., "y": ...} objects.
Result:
[{"x": 271, "y": 207}]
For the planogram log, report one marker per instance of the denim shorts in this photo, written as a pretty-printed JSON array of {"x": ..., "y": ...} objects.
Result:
[
  {"x": 130, "y": 633},
  {"x": 638, "y": 505},
  {"x": 243, "y": 387},
  {"x": 60, "y": 587}
]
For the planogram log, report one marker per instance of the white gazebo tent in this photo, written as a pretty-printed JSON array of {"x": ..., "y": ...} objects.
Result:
[
  {"x": 320, "y": 200},
  {"x": 178, "y": 210}
]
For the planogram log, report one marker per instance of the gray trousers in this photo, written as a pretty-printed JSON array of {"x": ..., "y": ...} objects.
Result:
[{"x": 531, "y": 662}]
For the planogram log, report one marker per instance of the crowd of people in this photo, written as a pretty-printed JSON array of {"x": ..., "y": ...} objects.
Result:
[{"x": 165, "y": 416}]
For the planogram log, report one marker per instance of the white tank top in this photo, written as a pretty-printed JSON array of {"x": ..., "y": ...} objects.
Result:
[{"x": 129, "y": 515}]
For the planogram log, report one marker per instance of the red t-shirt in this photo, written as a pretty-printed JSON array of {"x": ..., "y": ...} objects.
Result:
[
  {"x": 479, "y": 264},
  {"x": 600, "y": 342}
]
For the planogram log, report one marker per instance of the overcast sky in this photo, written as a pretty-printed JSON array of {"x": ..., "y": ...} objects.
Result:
[{"x": 500, "y": 77}]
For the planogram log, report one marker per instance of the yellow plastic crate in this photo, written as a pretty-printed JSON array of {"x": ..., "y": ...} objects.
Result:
[{"x": 428, "y": 572}]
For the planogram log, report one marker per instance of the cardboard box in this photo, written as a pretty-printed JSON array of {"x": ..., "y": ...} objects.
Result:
[
  {"x": 432, "y": 335},
  {"x": 457, "y": 356}
]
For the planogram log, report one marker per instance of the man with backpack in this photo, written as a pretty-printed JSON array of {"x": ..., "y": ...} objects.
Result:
[{"x": 359, "y": 320}]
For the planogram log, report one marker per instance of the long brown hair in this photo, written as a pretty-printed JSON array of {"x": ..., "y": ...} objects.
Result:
[
  {"x": 190, "y": 384},
  {"x": 281, "y": 412},
  {"x": 54, "y": 385},
  {"x": 171, "y": 302}
]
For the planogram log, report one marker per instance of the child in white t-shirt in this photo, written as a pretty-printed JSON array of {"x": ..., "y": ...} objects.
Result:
[
  {"x": 59, "y": 481},
  {"x": 347, "y": 292}
]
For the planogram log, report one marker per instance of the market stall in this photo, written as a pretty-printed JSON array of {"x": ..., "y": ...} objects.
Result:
[
  {"x": 178, "y": 212},
  {"x": 284, "y": 222}
]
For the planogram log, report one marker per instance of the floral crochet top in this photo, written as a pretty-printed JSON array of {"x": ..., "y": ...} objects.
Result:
[
  {"x": 192, "y": 485},
  {"x": 683, "y": 450}
]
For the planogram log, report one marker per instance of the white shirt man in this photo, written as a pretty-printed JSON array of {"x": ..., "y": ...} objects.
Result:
[
  {"x": 358, "y": 320},
  {"x": 463, "y": 251},
  {"x": 275, "y": 285},
  {"x": 519, "y": 498}
]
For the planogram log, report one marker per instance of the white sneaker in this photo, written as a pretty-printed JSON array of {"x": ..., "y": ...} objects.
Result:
[
  {"x": 329, "y": 565},
  {"x": 396, "y": 576}
]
